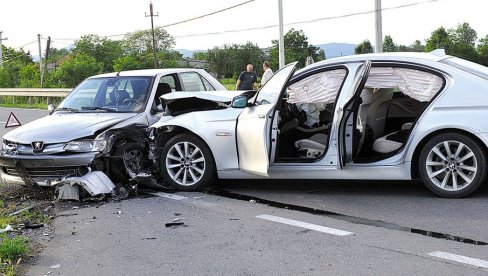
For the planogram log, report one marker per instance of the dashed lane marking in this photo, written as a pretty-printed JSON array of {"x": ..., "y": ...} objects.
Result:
[
  {"x": 170, "y": 196},
  {"x": 459, "y": 258},
  {"x": 306, "y": 225}
]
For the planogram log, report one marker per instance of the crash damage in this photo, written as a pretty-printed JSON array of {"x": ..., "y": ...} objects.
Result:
[{"x": 130, "y": 156}]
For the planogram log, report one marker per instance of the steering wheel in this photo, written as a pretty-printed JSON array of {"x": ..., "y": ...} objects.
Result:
[{"x": 129, "y": 101}]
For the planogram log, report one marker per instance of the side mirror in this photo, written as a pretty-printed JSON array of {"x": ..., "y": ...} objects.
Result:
[
  {"x": 239, "y": 101},
  {"x": 51, "y": 108}
]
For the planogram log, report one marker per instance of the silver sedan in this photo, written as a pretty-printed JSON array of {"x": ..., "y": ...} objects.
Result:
[{"x": 397, "y": 116}]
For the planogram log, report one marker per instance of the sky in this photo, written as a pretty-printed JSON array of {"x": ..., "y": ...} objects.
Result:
[{"x": 67, "y": 20}]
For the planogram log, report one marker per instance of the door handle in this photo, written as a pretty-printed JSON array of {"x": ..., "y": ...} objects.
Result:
[{"x": 261, "y": 116}]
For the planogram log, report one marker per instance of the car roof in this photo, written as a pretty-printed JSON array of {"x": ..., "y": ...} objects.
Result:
[
  {"x": 435, "y": 56},
  {"x": 149, "y": 72}
]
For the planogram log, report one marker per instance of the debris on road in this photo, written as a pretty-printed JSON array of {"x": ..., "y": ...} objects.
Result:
[
  {"x": 55, "y": 266},
  {"x": 22, "y": 210},
  {"x": 95, "y": 183},
  {"x": 6, "y": 229},
  {"x": 252, "y": 201},
  {"x": 175, "y": 224},
  {"x": 29, "y": 225}
]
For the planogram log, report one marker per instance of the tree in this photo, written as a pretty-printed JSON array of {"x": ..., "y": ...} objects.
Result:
[
  {"x": 439, "y": 39},
  {"x": 364, "y": 47},
  {"x": 29, "y": 76},
  {"x": 220, "y": 59},
  {"x": 389, "y": 45},
  {"x": 463, "y": 39},
  {"x": 483, "y": 51},
  {"x": 297, "y": 48},
  {"x": 141, "y": 41},
  {"x": 103, "y": 50},
  {"x": 75, "y": 68},
  {"x": 200, "y": 55}
]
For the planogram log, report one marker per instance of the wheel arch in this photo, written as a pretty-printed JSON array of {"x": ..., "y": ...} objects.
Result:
[{"x": 414, "y": 170}]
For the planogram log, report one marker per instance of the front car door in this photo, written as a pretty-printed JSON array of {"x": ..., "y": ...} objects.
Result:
[{"x": 254, "y": 129}]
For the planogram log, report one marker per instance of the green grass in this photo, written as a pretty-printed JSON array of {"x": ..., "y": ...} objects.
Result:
[
  {"x": 12, "y": 249},
  {"x": 23, "y": 102}
]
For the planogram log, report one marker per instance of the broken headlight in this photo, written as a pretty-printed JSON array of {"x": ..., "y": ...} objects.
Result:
[{"x": 85, "y": 145}]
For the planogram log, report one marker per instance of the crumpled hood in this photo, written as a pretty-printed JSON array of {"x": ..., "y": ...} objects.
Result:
[{"x": 63, "y": 127}]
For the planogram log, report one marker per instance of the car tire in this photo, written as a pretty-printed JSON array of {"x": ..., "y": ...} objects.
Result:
[
  {"x": 452, "y": 165},
  {"x": 187, "y": 163}
]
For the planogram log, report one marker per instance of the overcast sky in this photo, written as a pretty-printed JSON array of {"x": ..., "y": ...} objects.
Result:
[{"x": 67, "y": 20}]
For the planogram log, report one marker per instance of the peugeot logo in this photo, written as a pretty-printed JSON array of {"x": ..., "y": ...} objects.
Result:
[{"x": 37, "y": 146}]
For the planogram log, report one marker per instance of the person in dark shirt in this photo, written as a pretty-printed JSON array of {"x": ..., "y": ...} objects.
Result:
[{"x": 247, "y": 79}]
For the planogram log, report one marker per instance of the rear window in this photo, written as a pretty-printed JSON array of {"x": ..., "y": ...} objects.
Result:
[{"x": 468, "y": 66}]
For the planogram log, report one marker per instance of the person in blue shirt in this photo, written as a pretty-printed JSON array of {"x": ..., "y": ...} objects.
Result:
[{"x": 247, "y": 79}]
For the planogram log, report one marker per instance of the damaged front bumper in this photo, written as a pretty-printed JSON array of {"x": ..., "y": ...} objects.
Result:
[{"x": 43, "y": 170}]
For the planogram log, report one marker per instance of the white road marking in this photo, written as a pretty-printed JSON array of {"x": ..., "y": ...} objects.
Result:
[
  {"x": 306, "y": 225},
  {"x": 459, "y": 259},
  {"x": 170, "y": 196},
  {"x": 3, "y": 122}
]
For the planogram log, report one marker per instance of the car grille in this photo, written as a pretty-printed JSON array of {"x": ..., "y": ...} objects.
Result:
[{"x": 47, "y": 172}]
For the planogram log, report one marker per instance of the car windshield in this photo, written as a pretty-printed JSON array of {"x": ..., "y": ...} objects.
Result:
[
  {"x": 108, "y": 94},
  {"x": 468, "y": 66}
]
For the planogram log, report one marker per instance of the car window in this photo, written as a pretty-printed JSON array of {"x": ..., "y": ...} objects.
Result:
[
  {"x": 169, "y": 79},
  {"x": 192, "y": 81},
  {"x": 271, "y": 91},
  {"x": 111, "y": 94},
  {"x": 208, "y": 86}
]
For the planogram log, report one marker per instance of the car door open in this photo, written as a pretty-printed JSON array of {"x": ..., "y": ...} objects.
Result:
[{"x": 254, "y": 129}]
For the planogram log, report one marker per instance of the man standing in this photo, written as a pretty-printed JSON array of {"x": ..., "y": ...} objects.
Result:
[
  {"x": 246, "y": 79},
  {"x": 267, "y": 73}
]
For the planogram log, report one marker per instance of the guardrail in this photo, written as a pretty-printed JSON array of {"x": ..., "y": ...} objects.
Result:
[{"x": 33, "y": 92}]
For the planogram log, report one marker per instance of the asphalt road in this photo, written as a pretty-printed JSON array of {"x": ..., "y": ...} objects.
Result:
[
  {"x": 272, "y": 228},
  {"x": 225, "y": 236}
]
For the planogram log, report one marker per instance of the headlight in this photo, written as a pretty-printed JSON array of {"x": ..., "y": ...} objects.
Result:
[{"x": 85, "y": 145}]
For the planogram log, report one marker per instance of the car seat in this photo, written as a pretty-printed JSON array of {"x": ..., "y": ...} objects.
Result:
[
  {"x": 312, "y": 147},
  {"x": 163, "y": 88},
  {"x": 117, "y": 97}
]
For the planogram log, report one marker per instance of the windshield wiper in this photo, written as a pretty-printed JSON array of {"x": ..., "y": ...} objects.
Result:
[
  {"x": 66, "y": 109},
  {"x": 112, "y": 109}
]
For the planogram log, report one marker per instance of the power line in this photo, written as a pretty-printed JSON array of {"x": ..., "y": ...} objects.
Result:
[
  {"x": 309, "y": 21},
  {"x": 208, "y": 14},
  {"x": 273, "y": 25}
]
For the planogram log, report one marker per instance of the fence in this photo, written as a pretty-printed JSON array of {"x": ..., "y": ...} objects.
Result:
[{"x": 10, "y": 94}]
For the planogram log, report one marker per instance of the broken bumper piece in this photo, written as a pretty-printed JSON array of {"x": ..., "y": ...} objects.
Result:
[{"x": 95, "y": 183}]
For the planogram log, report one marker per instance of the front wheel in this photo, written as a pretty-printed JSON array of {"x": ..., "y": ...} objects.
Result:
[
  {"x": 452, "y": 165},
  {"x": 187, "y": 163}
]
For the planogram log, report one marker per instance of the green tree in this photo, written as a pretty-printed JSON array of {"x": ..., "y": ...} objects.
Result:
[
  {"x": 200, "y": 55},
  {"x": 297, "y": 48},
  {"x": 75, "y": 68},
  {"x": 13, "y": 61},
  {"x": 103, "y": 50},
  {"x": 439, "y": 39},
  {"x": 482, "y": 49},
  {"x": 463, "y": 39},
  {"x": 221, "y": 59},
  {"x": 29, "y": 76},
  {"x": 364, "y": 47},
  {"x": 389, "y": 45}
]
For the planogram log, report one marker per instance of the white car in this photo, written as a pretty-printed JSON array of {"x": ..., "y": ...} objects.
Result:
[
  {"x": 395, "y": 116},
  {"x": 95, "y": 126}
]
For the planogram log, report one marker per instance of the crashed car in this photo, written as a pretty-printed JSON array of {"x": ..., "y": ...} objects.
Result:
[
  {"x": 94, "y": 131},
  {"x": 396, "y": 116}
]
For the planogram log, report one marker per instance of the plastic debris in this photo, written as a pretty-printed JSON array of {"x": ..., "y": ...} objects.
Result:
[
  {"x": 252, "y": 201},
  {"x": 6, "y": 229},
  {"x": 55, "y": 266}
]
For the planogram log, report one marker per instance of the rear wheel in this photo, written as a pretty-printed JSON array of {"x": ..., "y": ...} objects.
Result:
[
  {"x": 452, "y": 165},
  {"x": 187, "y": 163}
]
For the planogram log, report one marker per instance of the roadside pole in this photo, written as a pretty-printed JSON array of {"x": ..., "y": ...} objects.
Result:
[
  {"x": 281, "y": 43},
  {"x": 40, "y": 59},
  {"x": 379, "y": 27},
  {"x": 1, "y": 49}
]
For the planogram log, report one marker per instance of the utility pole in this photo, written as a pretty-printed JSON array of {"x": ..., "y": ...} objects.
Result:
[
  {"x": 155, "y": 61},
  {"x": 48, "y": 47},
  {"x": 379, "y": 27},
  {"x": 1, "y": 49},
  {"x": 40, "y": 58},
  {"x": 281, "y": 43}
]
